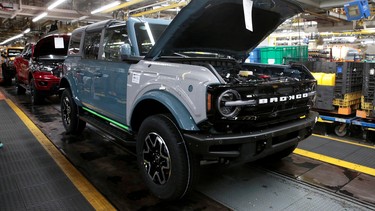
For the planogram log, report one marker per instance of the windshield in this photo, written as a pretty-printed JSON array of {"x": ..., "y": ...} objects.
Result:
[
  {"x": 14, "y": 52},
  {"x": 147, "y": 34}
]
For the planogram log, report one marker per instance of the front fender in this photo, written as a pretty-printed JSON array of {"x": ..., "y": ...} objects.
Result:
[
  {"x": 178, "y": 110},
  {"x": 66, "y": 82}
]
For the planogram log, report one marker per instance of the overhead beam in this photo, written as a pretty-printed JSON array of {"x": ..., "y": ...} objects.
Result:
[
  {"x": 123, "y": 5},
  {"x": 310, "y": 3},
  {"x": 323, "y": 4},
  {"x": 329, "y": 16},
  {"x": 334, "y": 4},
  {"x": 181, "y": 4}
]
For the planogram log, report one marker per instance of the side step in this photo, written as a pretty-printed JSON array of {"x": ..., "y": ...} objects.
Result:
[{"x": 104, "y": 126}]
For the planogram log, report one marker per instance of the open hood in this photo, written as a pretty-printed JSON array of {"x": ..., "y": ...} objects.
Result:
[
  {"x": 218, "y": 26},
  {"x": 52, "y": 45}
]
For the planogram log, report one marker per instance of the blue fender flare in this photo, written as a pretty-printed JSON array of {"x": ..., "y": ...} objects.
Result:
[
  {"x": 66, "y": 80},
  {"x": 178, "y": 110}
]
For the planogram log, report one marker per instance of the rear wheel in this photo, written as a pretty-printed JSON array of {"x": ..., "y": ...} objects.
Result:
[
  {"x": 165, "y": 164},
  {"x": 6, "y": 75},
  {"x": 69, "y": 114},
  {"x": 36, "y": 96}
]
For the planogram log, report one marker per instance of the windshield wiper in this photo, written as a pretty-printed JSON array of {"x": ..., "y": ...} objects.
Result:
[{"x": 180, "y": 54}]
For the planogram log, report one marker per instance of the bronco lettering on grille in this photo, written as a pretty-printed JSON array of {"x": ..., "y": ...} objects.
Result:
[{"x": 282, "y": 99}]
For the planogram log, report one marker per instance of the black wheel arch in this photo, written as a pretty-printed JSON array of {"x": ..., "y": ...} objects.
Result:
[
  {"x": 64, "y": 83},
  {"x": 145, "y": 109}
]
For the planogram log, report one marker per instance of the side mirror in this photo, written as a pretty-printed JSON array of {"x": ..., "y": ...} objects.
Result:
[{"x": 125, "y": 51}]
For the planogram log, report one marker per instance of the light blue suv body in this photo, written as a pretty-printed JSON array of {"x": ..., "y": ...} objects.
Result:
[{"x": 181, "y": 92}]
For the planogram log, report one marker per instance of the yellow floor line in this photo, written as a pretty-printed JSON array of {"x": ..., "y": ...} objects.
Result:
[
  {"x": 96, "y": 199},
  {"x": 343, "y": 141},
  {"x": 335, "y": 161}
]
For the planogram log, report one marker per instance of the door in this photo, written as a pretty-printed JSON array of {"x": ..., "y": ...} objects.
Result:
[{"x": 104, "y": 74}]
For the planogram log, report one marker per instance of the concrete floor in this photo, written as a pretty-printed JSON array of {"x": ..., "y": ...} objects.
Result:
[{"x": 113, "y": 171}]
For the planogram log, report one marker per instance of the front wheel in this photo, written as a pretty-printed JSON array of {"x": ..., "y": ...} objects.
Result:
[
  {"x": 20, "y": 89},
  {"x": 36, "y": 96},
  {"x": 69, "y": 114},
  {"x": 165, "y": 164}
]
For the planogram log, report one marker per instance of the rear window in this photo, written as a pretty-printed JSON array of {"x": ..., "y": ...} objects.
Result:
[
  {"x": 91, "y": 45},
  {"x": 14, "y": 52}
]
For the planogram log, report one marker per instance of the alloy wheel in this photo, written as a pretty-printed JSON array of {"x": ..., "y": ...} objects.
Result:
[
  {"x": 66, "y": 110},
  {"x": 156, "y": 158}
]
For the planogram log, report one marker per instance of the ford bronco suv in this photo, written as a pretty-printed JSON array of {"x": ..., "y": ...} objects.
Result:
[
  {"x": 39, "y": 67},
  {"x": 180, "y": 91}
]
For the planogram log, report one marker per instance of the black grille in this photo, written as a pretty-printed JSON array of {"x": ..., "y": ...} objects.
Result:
[{"x": 284, "y": 107}]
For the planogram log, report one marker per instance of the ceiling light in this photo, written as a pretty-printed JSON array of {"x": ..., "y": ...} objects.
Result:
[
  {"x": 55, "y": 4},
  {"x": 26, "y": 31},
  {"x": 113, "y": 4},
  {"x": 12, "y": 38},
  {"x": 44, "y": 14}
]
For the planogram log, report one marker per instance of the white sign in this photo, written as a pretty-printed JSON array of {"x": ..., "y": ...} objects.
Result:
[
  {"x": 59, "y": 42},
  {"x": 248, "y": 11},
  {"x": 136, "y": 78}
]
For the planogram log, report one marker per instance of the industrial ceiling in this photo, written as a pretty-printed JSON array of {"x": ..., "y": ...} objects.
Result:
[{"x": 16, "y": 15}]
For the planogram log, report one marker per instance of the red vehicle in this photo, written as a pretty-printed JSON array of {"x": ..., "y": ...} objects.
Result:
[{"x": 39, "y": 67}]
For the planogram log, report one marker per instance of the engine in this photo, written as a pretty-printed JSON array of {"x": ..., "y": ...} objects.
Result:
[
  {"x": 257, "y": 73},
  {"x": 53, "y": 67}
]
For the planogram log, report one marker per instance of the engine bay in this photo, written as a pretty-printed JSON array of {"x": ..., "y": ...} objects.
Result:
[
  {"x": 229, "y": 71},
  {"x": 262, "y": 73}
]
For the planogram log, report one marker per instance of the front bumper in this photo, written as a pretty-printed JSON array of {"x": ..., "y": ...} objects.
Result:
[
  {"x": 246, "y": 147},
  {"x": 47, "y": 86}
]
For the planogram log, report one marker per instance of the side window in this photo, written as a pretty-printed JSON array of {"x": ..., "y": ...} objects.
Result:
[
  {"x": 113, "y": 39},
  {"x": 75, "y": 41},
  {"x": 91, "y": 45}
]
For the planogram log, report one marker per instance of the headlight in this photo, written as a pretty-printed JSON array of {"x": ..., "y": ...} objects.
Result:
[{"x": 227, "y": 96}]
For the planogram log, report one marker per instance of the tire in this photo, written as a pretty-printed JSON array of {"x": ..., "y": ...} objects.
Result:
[
  {"x": 165, "y": 164},
  {"x": 36, "y": 97},
  {"x": 20, "y": 89},
  {"x": 69, "y": 114},
  {"x": 6, "y": 76},
  {"x": 7, "y": 81},
  {"x": 3, "y": 73}
]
